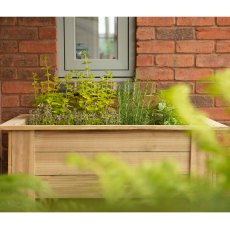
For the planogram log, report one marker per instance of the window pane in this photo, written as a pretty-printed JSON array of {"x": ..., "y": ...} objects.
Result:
[{"x": 96, "y": 35}]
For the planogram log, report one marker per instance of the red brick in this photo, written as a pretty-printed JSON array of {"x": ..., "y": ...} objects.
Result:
[
  {"x": 51, "y": 59},
  {"x": 192, "y": 74},
  {"x": 213, "y": 33},
  {"x": 155, "y": 47},
  {"x": 166, "y": 85},
  {"x": 154, "y": 74},
  {"x": 8, "y": 73},
  {"x": 47, "y": 33},
  {"x": 175, "y": 33},
  {"x": 216, "y": 61},
  {"x": 144, "y": 60},
  {"x": 223, "y": 47},
  {"x": 15, "y": 87},
  {"x": 174, "y": 60},
  {"x": 27, "y": 100},
  {"x": 37, "y": 46},
  {"x": 220, "y": 103},
  {"x": 223, "y": 21},
  {"x": 195, "y": 21},
  {"x": 9, "y": 113},
  {"x": 8, "y": 21},
  {"x": 145, "y": 33},
  {"x": 18, "y": 60},
  {"x": 26, "y": 73},
  {"x": 225, "y": 123},
  {"x": 18, "y": 33},
  {"x": 36, "y": 21},
  {"x": 149, "y": 87},
  {"x": 201, "y": 87},
  {"x": 8, "y": 46},
  {"x": 195, "y": 46},
  {"x": 216, "y": 113},
  {"x": 10, "y": 101},
  {"x": 202, "y": 101},
  {"x": 155, "y": 21}
]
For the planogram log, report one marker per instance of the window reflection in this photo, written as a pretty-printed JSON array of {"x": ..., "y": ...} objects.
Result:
[{"x": 96, "y": 35}]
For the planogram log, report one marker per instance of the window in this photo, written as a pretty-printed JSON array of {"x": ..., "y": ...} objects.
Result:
[{"x": 108, "y": 41}]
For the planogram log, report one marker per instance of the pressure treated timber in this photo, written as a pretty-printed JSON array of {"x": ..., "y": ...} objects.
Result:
[
  {"x": 22, "y": 152},
  {"x": 42, "y": 150},
  {"x": 117, "y": 140},
  {"x": 53, "y": 163},
  {"x": 80, "y": 186}
]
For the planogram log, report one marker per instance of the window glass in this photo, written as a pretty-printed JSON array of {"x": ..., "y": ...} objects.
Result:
[{"x": 98, "y": 36}]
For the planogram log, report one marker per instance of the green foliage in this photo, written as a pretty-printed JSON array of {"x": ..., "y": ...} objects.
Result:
[
  {"x": 158, "y": 187},
  {"x": 219, "y": 161},
  {"x": 95, "y": 99},
  {"x": 85, "y": 100},
  {"x": 51, "y": 105},
  {"x": 219, "y": 85},
  {"x": 163, "y": 113},
  {"x": 14, "y": 190},
  {"x": 137, "y": 105},
  {"x": 90, "y": 101},
  {"x": 133, "y": 106}
]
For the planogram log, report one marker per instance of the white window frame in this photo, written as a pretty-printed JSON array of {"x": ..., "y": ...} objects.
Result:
[{"x": 122, "y": 67}]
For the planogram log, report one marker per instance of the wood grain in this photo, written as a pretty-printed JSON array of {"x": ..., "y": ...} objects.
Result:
[
  {"x": 22, "y": 151},
  {"x": 10, "y": 152},
  {"x": 53, "y": 163},
  {"x": 81, "y": 186},
  {"x": 110, "y": 141},
  {"x": 197, "y": 160},
  {"x": 19, "y": 123}
]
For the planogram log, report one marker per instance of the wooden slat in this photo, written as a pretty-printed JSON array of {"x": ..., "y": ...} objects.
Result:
[
  {"x": 214, "y": 124},
  {"x": 22, "y": 150},
  {"x": 22, "y": 154},
  {"x": 107, "y": 141},
  {"x": 19, "y": 123},
  {"x": 10, "y": 152},
  {"x": 16, "y": 121},
  {"x": 197, "y": 160},
  {"x": 82, "y": 186},
  {"x": 53, "y": 163}
]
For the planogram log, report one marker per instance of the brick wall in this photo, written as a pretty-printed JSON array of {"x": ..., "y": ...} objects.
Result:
[
  {"x": 169, "y": 50},
  {"x": 23, "y": 43},
  {"x": 185, "y": 49}
]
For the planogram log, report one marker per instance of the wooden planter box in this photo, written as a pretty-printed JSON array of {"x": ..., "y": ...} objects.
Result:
[{"x": 41, "y": 150}]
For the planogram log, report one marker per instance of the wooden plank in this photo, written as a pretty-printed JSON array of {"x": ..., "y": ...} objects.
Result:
[
  {"x": 107, "y": 141},
  {"x": 22, "y": 149},
  {"x": 215, "y": 124},
  {"x": 16, "y": 121},
  {"x": 197, "y": 160},
  {"x": 223, "y": 138},
  {"x": 81, "y": 186},
  {"x": 10, "y": 152},
  {"x": 53, "y": 163},
  {"x": 19, "y": 123}
]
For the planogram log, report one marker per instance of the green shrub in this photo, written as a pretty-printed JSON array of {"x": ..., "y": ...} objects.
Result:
[
  {"x": 90, "y": 101},
  {"x": 133, "y": 106},
  {"x": 84, "y": 100},
  {"x": 14, "y": 190},
  {"x": 138, "y": 105}
]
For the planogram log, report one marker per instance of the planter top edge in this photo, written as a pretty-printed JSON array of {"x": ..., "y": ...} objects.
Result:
[{"x": 19, "y": 123}]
